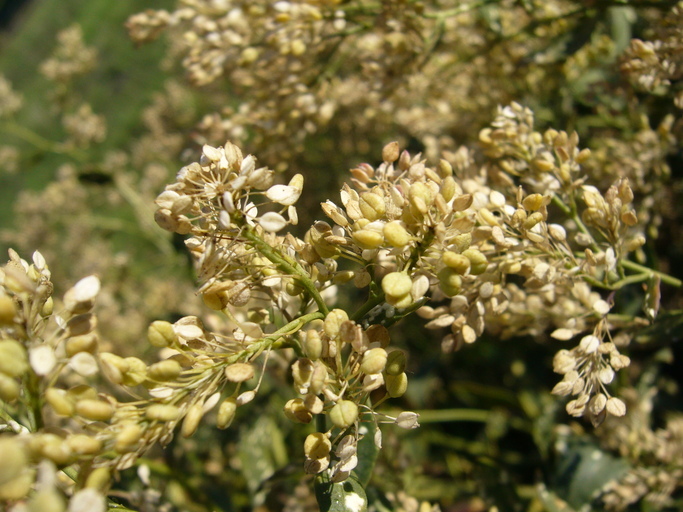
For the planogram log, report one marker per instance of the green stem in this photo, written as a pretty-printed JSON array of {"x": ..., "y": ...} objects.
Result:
[
  {"x": 287, "y": 265},
  {"x": 41, "y": 142},
  {"x": 666, "y": 278}
]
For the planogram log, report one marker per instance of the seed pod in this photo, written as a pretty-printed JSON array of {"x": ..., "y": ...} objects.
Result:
[
  {"x": 532, "y": 202},
  {"x": 395, "y": 234},
  {"x": 239, "y": 372},
  {"x": 317, "y": 446},
  {"x": 462, "y": 241},
  {"x": 378, "y": 334},
  {"x": 226, "y": 413},
  {"x": 390, "y": 152},
  {"x": 98, "y": 479},
  {"x": 374, "y": 361},
  {"x": 136, "y": 373},
  {"x": 396, "y": 363},
  {"x": 296, "y": 411},
  {"x": 344, "y": 413},
  {"x": 14, "y": 459},
  {"x": 85, "y": 343},
  {"x": 95, "y": 410},
  {"x": 368, "y": 239},
  {"x": 372, "y": 206},
  {"x": 161, "y": 334},
  {"x": 46, "y": 499},
  {"x": 302, "y": 371},
  {"x": 396, "y": 385}
]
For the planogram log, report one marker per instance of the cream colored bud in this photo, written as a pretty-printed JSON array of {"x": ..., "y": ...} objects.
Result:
[
  {"x": 368, "y": 239},
  {"x": 127, "y": 440},
  {"x": 532, "y": 220},
  {"x": 302, "y": 371},
  {"x": 333, "y": 322},
  {"x": 14, "y": 459},
  {"x": 372, "y": 206},
  {"x": 13, "y": 358},
  {"x": 313, "y": 345},
  {"x": 56, "y": 449},
  {"x": 462, "y": 242},
  {"x": 192, "y": 418},
  {"x": 82, "y": 444},
  {"x": 420, "y": 196},
  {"x": 60, "y": 402},
  {"x": 46, "y": 499},
  {"x": 166, "y": 370},
  {"x": 318, "y": 379},
  {"x": 540, "y": 164},
  {"x": 9, "y": 388},
  {"x": 450, "y": 281},
  {"x": 458, "y": 262},
  {"x": 296, "y": 411},
  {"x": 397, "y": 284},
  {"x": 8, "y": 310},
  {"x": 445, "y": 168},
  {"x": 98, "y": 479},
  {"x": 47, "y": 308},
  {"x": 374, "y": 361},
  {"x": 85, "y": 343},
  {"x": 216, "y": 300},
  {"x": 390, "y": 152},
  {"x": 95, "y": 410},
  {"x": 239, "y": 372},
  {"x": 17, "y": 488},
  {"x": 448, "y": 188},
  {"x": 344, "y": 413},
  {"x": 395, "y": 234},
  {"x": 161, "y": 334},
  {"x": 396, "y": 363},
  {"x": 226, "y": 413},
  {"x": 533, "y": 202},
  {"x": 317, "y": 446},
  {"x": 136, "y": 373},
  {"x": 162, "y": 412},
  {"x": 478, "y": 261},
  {"x": 396, "y": 384}
]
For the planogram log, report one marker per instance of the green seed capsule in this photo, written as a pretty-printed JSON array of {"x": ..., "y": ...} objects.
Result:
[
  {"x": 396, "y": 384},
  {"x": 161, "y": 334},
  {"x": 344, "y": 413},
  {"x": 396, "y": 363},
  {"x": 226, "y": 413},
  {"x": 317, "y": 446}
]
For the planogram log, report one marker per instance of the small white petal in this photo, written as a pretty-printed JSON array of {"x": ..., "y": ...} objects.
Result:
[
  {"x": 407, "y": 420},
  {"x": 42, "y": 359},
  {"x": 84, "y": 364},
  {"x": 86, "y": 289},
  {"x": 87, "y": 500},
  {"x": 188, "y": 331},
  {"x": 272, "y": 222},
  {"x": 589, "y": 344},
  {"x": 562, "y": 334},
  {"x": 601, "y": 307},
  {"x": 283, "y": 194}
]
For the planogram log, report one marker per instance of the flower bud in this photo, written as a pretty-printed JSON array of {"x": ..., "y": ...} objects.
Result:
[
  {"x": 372, "y": 206},
  {"x": 95, "y": 410},
  {"x": 532, "y": 220},
  {"x": 127, "y": 440},
  {"x": 368, "y": 239},
  {"x": 395, "y": 234},
  {"x": 478, "y": 261},
  {"x": 397, "y": 284},
  {"x": 8, "y": 310},
  {"x": 164, "y": 371},
  {"x": 216, "y": 300},
  {"x": 14, "y": 459},
  {"x": 13, "y": 358},
  {"x": 317, "y": 446},
  {"x": 192, "y": 419},
  {"x": 9, "y": 388},
  {"x": 396, "y": 384},
  {"x": 226, "y": 413},
  {"x": 448, "y": 188},
  {"x": 458, "y": 262},
  {"x": 532, "y": 202},
  {"x": 374, "y": 361},
  {"x": 162, "y": 412},
  {"x": 161, "y": 334},
  {"x": 450, "y": 281},
  {"x": 390, "y": 152},
  {"x": 396, "y": 363},
  {"x": 82, "y": 444},
  {"x": 98, "y": 479},
  {"x": 59, "y": 401},
  {"x": 85, "y": 343},
  {"x": 136, "y": 372},
  {"x": 313, "y": 345},
  {"x": 344, "y": 413},
  {"x": 302, "y": 371},
  {"x": 333, "y": 322},
  {"x": 462, "y": 242},
  {"x": 296, "y": 411}
]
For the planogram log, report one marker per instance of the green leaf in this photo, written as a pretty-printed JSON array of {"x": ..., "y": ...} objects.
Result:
[
  {"x": 367, "y": 454},
  {"x": 262, "y": 451},
  {"x": 346, "y": 496}
]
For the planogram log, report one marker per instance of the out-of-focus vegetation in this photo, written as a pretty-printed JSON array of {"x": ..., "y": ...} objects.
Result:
[{"x": 520, "y": 242}]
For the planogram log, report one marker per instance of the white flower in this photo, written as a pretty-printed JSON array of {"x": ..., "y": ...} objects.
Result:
[{"x": 272, "y": 222}]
